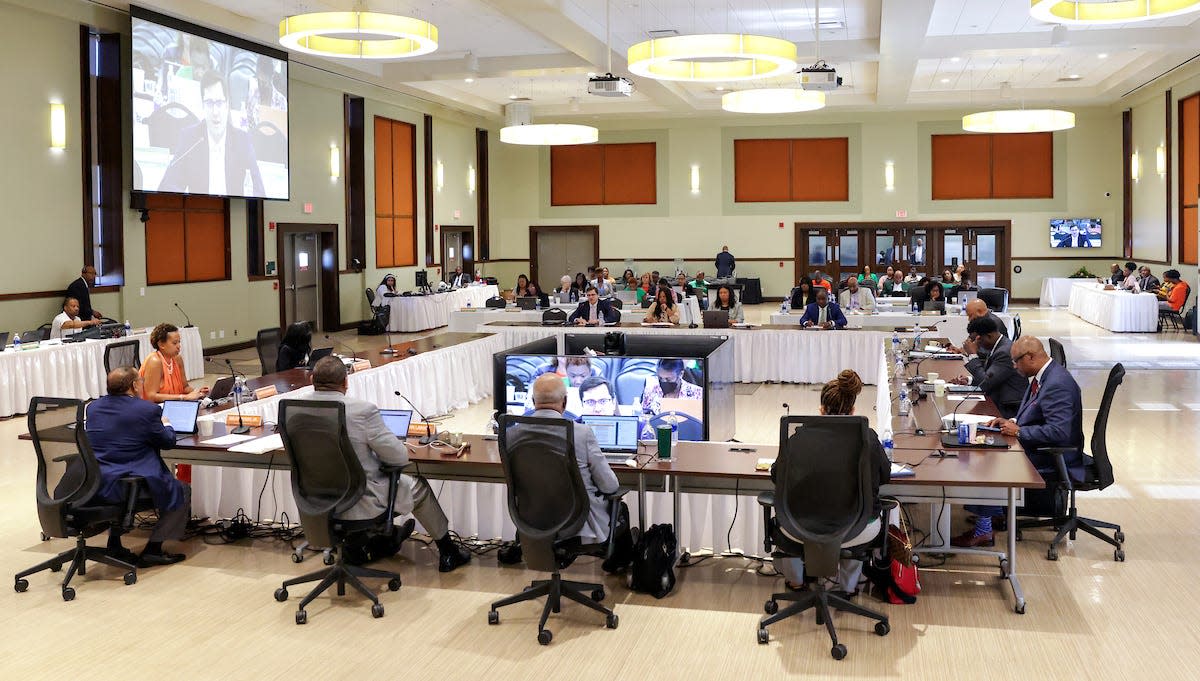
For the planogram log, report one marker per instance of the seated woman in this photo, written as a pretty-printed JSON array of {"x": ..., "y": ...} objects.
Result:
[
  {"x": 163, "y": 379},
  {"x": 866, "y": 274},
  {"x": 629, "y": 280},
  {"x": 581, "y": 283},
  {"x": 294, "y": 348},
  {"x": 803, "y": 294},
  {"x": 644, "y": 287},
  {"x": 837, "y": 399},
  {"x": 663, "y": 309},
  {"x": 566, "y": 291},
  {"x": 726, "y": 300},
  {"x": 387, "y": 286},
  {"x": 521, "y": 289},
  {"x": 933, "y": 294}
]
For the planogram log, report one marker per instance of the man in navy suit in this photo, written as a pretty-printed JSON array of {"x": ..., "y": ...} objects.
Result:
[
  {"x": 594, "y": 311},
  {"x": 213, "y": 157},
  {"x": 1050, "y": 415},
  {"x": 823, "y": 314},
  {"x": 127, "y": 434}
]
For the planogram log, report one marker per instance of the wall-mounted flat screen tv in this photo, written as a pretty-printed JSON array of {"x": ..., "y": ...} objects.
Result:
[
  {"x": 210, "y": 111},
  {"x": 1075, "y": 233}
]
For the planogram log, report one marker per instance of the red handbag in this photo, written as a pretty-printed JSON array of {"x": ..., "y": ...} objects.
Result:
[{"x": 905, "y": 579}]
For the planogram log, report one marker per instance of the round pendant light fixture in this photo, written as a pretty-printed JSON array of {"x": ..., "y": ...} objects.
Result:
[
  {"x": 712, "y": 57},
  {"x": 549, "y": 134},
  {"x": 1084, "y": 12},
  {"x": 358, "y": 35},
  {"x": 1019, "y": 120},
  {"x": 772, "y": 101}
]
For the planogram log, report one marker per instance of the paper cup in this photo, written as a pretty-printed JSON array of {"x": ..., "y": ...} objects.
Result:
[
  {"x": 939, "y": 388},
  {"x": 931, "y": 376},
  {"x": 974, "y": 431},
  {"x": 205, "y": 427}
]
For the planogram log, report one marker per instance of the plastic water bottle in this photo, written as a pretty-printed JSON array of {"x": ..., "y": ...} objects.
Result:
[
  {"x": 674, "y": 430},
  {"x": 537, "y": 304},
  {"x": 17, "y": 342},
  {"x": 895, "y": 343},
  {"x": 905, "y": 403},
  {"x": 647, "y": 433},
  {"x": 888, "y": 446},
  {"x": 128, "y": 328}
]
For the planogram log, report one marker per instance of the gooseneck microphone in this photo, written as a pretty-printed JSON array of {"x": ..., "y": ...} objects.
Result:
[
  {"x": 338, "y": 342},
  {"x": 185, "y": 316},
  {"x": 788, "y": 407},
  {"x": 242, "y": 428},
  {"x": 429, "y": 437}
]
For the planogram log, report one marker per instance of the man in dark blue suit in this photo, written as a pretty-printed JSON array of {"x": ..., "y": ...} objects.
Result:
[
  {"x": 1050, "y": 415},
  {"x": 594, "y": 311},
  {"x": 214, "y": 141},
  {"x": 823, "y": 313},
  {"x": 127, "y": 434}
]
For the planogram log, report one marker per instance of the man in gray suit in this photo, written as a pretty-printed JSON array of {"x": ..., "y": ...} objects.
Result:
[
  {"x": 375, "y": 443},
  {"x": 976, "y": 309},
  {"x": 996, "y": 374}
]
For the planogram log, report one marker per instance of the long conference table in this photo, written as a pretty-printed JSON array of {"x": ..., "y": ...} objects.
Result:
[
  {"x": 1119, "y": 311},
  {"x": 420, "y": 313},
  {"x": 76, "y": 370},
  {"x": 953, "y": 326}
]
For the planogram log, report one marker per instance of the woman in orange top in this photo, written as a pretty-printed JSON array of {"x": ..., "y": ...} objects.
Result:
[
  {"x": 1176, "y": 295},
  {"x": 163, "y": 379}
]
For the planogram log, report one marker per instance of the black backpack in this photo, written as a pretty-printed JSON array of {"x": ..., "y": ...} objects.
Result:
[{"x": 654, "y": 555}]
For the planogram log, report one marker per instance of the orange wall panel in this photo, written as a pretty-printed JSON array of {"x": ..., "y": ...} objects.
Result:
[
  {"x": 761, "y": 170},
  {"x": 404, "y": 242},
  {"x": 820, "y": 169},
  {"x": 383, "y": 166},
  {"x": 630, "y": 174},
  {"x": 403, "y": 168},
  {"x": 205, "y": 248},
  {"x": 164, "y": 247},
  {"x": 577, "y": 175},
  {"x": 383, "y": 242},
  {"x": 961, "y": 166},
  {"x": 1023, "y": 166}
]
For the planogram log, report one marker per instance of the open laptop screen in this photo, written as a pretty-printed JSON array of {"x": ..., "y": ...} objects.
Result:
[
  {"x": 397, "y": 420},
  {"x": 181, "y": 414},
  {"x": 614, "y": 433}
]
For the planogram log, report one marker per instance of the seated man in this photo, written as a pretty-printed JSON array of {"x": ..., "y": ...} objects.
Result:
[
  {"x": 914, "y": 277},
  {"x": 460, "y": 278},
  {"x": 68, "y": 321},
  {"x": 1176, "y": 295},
  {"x": 1050, "y": 415},
  {"x": 994, "y": 372},
  {"x": 857, "y": 299},
  {"x": 1146, "y": 281},
  {"x": 127, "y": 433},
  {"x": 894, "y": 285},
  {"x": 818, "y": 279},
  {"x": 593, "y": 311},
  {"x": 1117, "y": 275},
  {"x": 699, "y": 288},
  {"x": 975, "y": 310},
  {"x": 374, "y": 443},
  {"x": 823, "y": 313}
]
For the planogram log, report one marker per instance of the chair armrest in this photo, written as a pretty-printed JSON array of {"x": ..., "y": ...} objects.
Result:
[
  {"x": 1060, "y": 463},
  {"x": 614, "y": 496},
  {"x": 767, "y": 501},
  {"x": 393, "y": 473},
  {"x": 130, "y": 484},
  {"x": 65, "y": 457}
]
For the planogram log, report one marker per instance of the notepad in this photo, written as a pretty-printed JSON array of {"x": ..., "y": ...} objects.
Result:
[
  {"x": 900, "y": 470},
  {"x": 260, "y": 445},
  {"x": 226, "y": 440}
]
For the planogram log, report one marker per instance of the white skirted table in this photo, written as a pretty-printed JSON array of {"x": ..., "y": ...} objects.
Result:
[
  {"x": 1056, "y": 291},
  {"x": 1119, "y": 311},
  {"x": 75, "y": 370},
  {"x": 466, "y": 321},
  {"x": 952, "y": 326},
  {"x": 421, "y": 313}
]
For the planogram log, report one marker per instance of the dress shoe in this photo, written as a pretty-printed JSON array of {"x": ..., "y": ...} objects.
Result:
[
  {"x": 404, "y": 531},
  {"x": 509, "y": 554},
  {"x": 159, "y": 558},
  {"x": 124, "y": 555},
  {"x": 969, "y": 540},
  {"x": 453, "y": 558}
]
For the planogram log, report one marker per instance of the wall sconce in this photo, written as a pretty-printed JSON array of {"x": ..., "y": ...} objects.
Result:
[
  {"x": 58, "y": 126},
  {"x": 335, "y": 162},
  {"x": 471, "y": 179},
  {"x": 1160, "y": 160},
  {"x": 1135, "y": 167},
  {"x": 695, "y": 178},
  {"x": 439, "y": 176},
  {"x": 889, "y": 176}
]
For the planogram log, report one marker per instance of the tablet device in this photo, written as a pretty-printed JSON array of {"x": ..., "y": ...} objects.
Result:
[{"x": 182, "y": 415}]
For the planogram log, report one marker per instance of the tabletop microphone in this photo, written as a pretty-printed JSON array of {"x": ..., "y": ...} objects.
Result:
[
  {"x": 429, "y": 437},
  {"x": 788, "y": 407},
  {"x": 185, "y": 316},
  {"x": 242, "y": 428},
  {"x": 338, "y": 342},
  {"x": 411, "y": 351}
]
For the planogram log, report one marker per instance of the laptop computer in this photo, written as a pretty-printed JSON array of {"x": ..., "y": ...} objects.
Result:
[
  {"x": 397, "y": 421},
  {"x": 617, "y": 435},
  {"x": 182, "y": 415},
  {"x": 934, "y": 306},
  {"x": 3, "y": 340},
  {"x": 527, "y": 302},
  {"x": 716, "y": 319},
  {"x": 221, "y": 389}
]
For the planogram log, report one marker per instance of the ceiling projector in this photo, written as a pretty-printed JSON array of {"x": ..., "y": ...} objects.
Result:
[
  {"x": 819, "y": 77},
  {"x": 609, "y": 85}
]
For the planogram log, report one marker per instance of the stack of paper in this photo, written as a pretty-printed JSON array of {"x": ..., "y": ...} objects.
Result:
[{"x": 260, "y": 445}]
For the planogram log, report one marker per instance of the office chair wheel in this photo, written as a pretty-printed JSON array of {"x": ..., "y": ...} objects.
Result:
[
  {"x": 297, "y": 558},
  {"x": 771, "y": 607},
  {"x": 21, "y": 585},
  {"x": 56, "y": 567},
  {"x": 130, "y": 578},
  {"x": 1051, "y": 553},
  {"x": 1020, "y": 536},
  {"x": 493, "y": 617},
  {"x": 393, "y": 584},
  {"x": 1119, "y": 536},
  {"x": 545, "y": 636},
  {"x": 838, "y": 652},
  {"x": 1019, "y": 608},
  {"x": 301, "y": 617},
  {"x": 377, "y": 610},
  {"x": 327, "y": 558},
  {"x": 763, "y": 635},
  {"x": 598, "y": 595},
  {"x": 68, "y": 593},
  {"x": 1003, "y": 568},
  {"x": 281, "y": 594},
  {"x": 612, "y": 621},
  {"x": 882, "y": 628},
  {"x": 45, "y": 537},
  {"x": 820, "y": 620},
  {"x": 1119, "y": 555}
]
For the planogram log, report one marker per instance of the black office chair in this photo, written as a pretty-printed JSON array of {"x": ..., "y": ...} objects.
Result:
[
  {"x": 68, "y": 477},
  {"x": 1097, "y": 475},
  {"x": 647, "y": 301},
  {"x": 1017, "y": 328},
  {"x": 1175, "y": 318},
  {"x": 822, "y": 497},
  {"x": 267, "y": 344},
  {"x": 496, "y": 302},
  {"x": 548, "y": 502},
  {"x": 381, "y": 315},
  {"x": 328, "y": 479},
  {"x": 996, "y": 298},
  {"x": 554, "y": 316},
  {"x": 919, "y": 296},
  {"x": 122, "y": 354},
  {"x": 616, "y": 302},
  {"x": 1057, "y": 353}
]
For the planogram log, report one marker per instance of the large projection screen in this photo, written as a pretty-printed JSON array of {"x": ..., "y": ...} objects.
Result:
[{"x": 210, "y": 111}]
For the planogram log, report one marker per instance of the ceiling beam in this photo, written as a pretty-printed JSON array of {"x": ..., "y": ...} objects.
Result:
[
  {"x": 521, "y": 66},
  {"x": 903, "y": 24},
  {"x": 1038, "y": 43}
]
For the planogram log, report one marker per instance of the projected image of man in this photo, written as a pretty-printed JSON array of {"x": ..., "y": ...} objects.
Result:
[{"x": 213, "y": 157}]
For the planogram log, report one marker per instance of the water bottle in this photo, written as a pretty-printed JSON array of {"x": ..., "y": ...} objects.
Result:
[
  {"x": 905, "y": 403},
  {"x": 128, "y": 328},
  {"x": 537, "y": 304},
  {"x": 888, "y": 447},
  {"x": 674, "y": 420},
  {"x": 646, "y": 432},
  {"x": 17, "y": 342},
  {"x": 895, "y": 343}
]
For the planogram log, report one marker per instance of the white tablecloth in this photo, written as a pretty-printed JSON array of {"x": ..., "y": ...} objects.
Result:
[
  {"x": 420, "y": 313},
  {"x": 952, "y": 326},
  {"x": 1056, "y": 291},
  {"x": 1114, "y": 310},
  {"x": 75, "y": 370}
]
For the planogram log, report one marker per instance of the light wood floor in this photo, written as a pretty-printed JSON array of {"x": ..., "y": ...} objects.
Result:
[{"x": 213, "y": 616}]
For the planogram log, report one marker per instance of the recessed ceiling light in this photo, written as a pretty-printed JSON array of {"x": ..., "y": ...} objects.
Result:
[
  {"x": 1071, "y": 78},
  {"x": 514, "y": 97},
  {"x": 955, "y": 60},
  {"x": 719, "y": 89},
  {"x": 945, "y": 80},
  {"x": 1102, "y": 55}
]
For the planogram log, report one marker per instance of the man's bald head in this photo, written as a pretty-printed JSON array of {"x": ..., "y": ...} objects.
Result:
[
  {"x": 976, "y": 308},
  {"x": 549, "y": 392},
  {"x": 1029, "y": 355}
]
